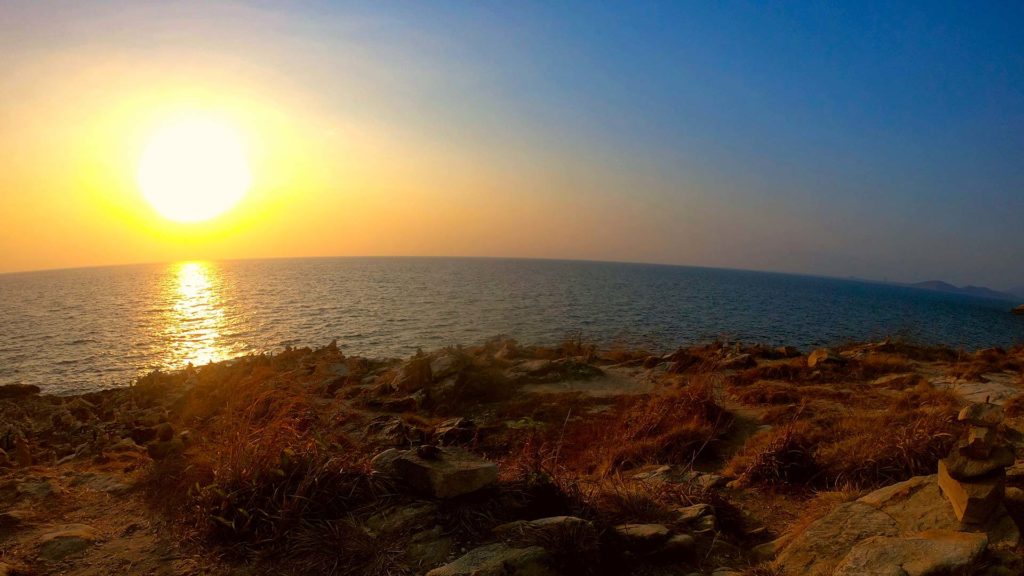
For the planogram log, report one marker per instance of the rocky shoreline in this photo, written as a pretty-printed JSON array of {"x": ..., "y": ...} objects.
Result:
[{"x": 500, "y": 459}]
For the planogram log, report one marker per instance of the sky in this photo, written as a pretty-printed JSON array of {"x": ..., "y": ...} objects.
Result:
[{"x": 879, "y": 140}]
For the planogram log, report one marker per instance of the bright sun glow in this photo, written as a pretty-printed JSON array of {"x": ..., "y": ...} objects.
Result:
[{"x": 194, "y": 169}]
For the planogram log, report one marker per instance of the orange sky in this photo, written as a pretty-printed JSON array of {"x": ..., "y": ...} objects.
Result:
[
  {"x": 479, "y": 130},
  {"x": 358, "y": 179}
]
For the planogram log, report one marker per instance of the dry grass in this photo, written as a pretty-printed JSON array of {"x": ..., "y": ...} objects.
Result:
[
  {"x": 265, "y": 477},
  {"x": 673, "y": 426},
  {"x": 878, "y": 364},
  {"x": 987, "y": 361},
  {"x": 1014, "y": 407},
  {"x": 860, "y": 449}
]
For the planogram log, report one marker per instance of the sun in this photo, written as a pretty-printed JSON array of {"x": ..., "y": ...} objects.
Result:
[{"x": 194, "y": 168}]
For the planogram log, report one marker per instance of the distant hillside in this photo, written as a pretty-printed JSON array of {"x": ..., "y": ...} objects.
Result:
[{"x": 980, "y": 291}]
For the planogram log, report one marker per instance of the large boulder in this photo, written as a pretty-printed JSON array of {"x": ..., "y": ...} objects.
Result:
[
  {"x": 923, "y": 554},
  {"x": 498, "y": 560},
  {"x": 413, "y": 375},
  {"x": 437, "y": 472},
  {"x": 1019, "y": 310}
]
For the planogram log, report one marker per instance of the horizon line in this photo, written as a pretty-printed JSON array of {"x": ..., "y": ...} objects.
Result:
[{"x": 883, "y": 282}]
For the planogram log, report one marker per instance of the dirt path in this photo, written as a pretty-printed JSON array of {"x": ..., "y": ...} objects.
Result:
[{"x": 87, "y": 520}]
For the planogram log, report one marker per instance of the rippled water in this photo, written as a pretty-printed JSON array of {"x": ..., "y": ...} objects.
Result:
[{"x": 73, "y": 330}]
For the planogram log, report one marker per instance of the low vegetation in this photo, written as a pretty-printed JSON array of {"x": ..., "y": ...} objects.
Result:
[{"x": 265, "y": 462}]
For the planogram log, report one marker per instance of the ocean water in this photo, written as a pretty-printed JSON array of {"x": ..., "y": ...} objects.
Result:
[{"x": 84, "y": 329}]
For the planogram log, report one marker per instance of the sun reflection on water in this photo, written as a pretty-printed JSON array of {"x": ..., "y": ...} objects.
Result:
[{"x": 195, "y": 320}]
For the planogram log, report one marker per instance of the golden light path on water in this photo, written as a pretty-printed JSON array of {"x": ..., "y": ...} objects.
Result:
[{"x": 195, "y": 321}]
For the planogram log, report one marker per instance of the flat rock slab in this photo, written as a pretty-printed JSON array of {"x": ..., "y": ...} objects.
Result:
[
  {"x": 999, "y": 388},
  {"x": 498, "y": 560},
  {"x": 922, "y": 554},
  {"x": 65, "y": 541},
  {"x": 642, "y": 534},
  {"x": 824, "y": 543},
  {"x": 898, "y": 516},
  {"x": 549, "y": 529},
  {"x": 441, "y": 473}
]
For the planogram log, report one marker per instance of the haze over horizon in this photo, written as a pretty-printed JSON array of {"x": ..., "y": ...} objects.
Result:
[{"x": 869, "y": 140}]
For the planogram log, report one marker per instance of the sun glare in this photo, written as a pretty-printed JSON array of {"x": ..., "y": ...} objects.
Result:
[{"x": 193, "y": 169}]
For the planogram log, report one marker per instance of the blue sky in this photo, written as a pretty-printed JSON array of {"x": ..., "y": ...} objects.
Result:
[{"x": 870, "y": 139}]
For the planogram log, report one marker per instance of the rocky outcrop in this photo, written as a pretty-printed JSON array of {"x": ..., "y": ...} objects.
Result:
[
  {"x": 892, "y": 529},
  {"x": 1019, "y": 310},
  {"x": 826, "y": 542},
  {"x": 923, "y": 554},
  {"x": 414, "y": 375},
  {"x": 436, "y": 472}
]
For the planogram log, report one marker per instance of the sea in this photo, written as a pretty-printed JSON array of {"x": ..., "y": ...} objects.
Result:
[{"x": 78, "y": 330}]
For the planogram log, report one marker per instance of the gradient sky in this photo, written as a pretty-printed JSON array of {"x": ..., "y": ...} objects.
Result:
[{"x": 870, "y": 139}]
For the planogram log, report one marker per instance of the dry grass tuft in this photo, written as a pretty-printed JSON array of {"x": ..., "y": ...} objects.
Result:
[
  {"x": 673, "y": 426},
  {"x": 863, "y": 448},
  {"x": 1014, "y": 406}
]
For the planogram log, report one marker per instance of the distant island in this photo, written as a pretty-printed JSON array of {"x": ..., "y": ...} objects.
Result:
[{"x": 980, "y": 291}]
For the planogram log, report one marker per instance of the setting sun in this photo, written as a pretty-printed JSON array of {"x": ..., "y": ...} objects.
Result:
[{"x": 193, "y": 169}]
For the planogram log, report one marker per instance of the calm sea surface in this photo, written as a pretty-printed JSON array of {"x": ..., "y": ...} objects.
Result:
[{"x": 75, "y": 330}]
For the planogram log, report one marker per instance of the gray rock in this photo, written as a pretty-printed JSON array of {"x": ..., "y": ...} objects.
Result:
[
  {"x": 961, "y": 467},
  {"x": 498, "y": 560},
  {"x": 444, "y": 365},
  {"x": 737, "y": 362},
  {"x": 823, "y": 356},
  {"x": 982, "y": 414},
  {"x": 922, "y": 554},
  {"x": 822, "y": 545},
  {"x": 437, "y": 472},
  {"x": 65, "y": 541},
  {"x": 455, "y": 431},
  {"x": 917, "y": 505},
  {"x": 690, "y": 514},
  {"x": 413, "y": 375},
  {"x": 390, "y": 430},
  {"x": 542, "y": 531},
  {"x": 642, "y": 537},
  {"x": 429, "y": 547}
]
